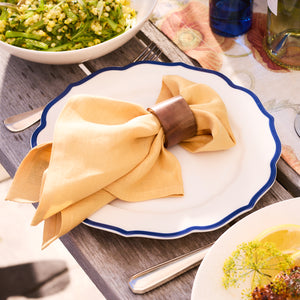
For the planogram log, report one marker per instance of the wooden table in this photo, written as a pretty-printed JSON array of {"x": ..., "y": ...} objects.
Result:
[{"x": 107, "y": 258}]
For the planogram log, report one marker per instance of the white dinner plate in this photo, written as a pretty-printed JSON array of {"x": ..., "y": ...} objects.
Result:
[
  {"x": 208, "y": 281},
  {"x": 218, "y": 186}
]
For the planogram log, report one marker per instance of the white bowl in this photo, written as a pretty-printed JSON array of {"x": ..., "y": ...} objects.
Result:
[{"x": 144, "y": 9}]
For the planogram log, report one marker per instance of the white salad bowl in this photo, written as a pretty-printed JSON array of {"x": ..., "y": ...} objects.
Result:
[{"x": 143, "y": 8}]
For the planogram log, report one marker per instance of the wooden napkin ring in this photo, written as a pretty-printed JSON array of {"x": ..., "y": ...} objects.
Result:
[{"x": 176, "y": 119}]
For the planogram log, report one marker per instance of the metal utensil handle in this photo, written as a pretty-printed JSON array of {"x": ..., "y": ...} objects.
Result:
[
  {"x": 153, "y": 277},
  {"x": 297, "y": 124},
  {"x": 22, "y": 121}
]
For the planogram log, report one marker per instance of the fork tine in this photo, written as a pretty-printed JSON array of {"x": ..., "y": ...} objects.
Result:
[
  {"x": 145, "y": 53},
  {"x": 151, "y": 52},
  {"x": 156, "y": 53}
]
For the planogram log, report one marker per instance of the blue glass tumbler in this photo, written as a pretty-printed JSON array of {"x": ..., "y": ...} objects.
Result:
[{"x": 230, "y": 17}]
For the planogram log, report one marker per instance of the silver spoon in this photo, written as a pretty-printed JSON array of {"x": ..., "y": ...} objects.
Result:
[
  {"x": 297, "y": 124},
  {"x": 153, "y": 277},
  {"x": 24, "y": 120}
]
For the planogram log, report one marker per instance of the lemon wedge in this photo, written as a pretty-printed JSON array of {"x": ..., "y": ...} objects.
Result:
[{"x": 286, "y": 237}]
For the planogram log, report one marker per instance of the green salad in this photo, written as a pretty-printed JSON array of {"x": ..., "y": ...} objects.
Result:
[{"x": 59, "y": 25}]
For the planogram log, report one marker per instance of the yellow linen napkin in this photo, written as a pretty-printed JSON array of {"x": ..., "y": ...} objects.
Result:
[{"x": 105, "y": 149}]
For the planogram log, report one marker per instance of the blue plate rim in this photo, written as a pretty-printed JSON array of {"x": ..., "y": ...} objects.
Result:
[{"x": 191, "y": 229}]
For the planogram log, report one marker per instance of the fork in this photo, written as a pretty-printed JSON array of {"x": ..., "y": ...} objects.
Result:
[{"x": 24, "y": 120}]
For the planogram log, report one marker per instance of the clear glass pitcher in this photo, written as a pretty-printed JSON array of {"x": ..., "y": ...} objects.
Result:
[{"x": 282, "y": 42}]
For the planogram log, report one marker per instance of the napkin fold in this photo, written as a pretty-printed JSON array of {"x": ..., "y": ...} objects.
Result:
[{"x": 105, "y": 149}]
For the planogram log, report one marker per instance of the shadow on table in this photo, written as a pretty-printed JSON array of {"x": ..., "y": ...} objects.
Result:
[{"x": 34, "y": 280}]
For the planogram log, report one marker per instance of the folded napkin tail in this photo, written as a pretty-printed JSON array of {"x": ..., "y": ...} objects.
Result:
[
  {"x": 27, "y": 181},
  {"x": 64, "y": 221}
]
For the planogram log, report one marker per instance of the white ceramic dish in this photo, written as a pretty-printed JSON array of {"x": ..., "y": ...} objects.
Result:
[
  {"x": 144, "y": 9},
  {"x": 208, "y": 281},
  {"x": 218, "y": 185}
]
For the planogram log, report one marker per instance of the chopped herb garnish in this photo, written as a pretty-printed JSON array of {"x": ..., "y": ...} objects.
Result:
[{"x": 255, "y": 262}]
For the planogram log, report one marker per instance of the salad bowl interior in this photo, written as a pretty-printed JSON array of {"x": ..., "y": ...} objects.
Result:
[{"x": 143, "y": 10}]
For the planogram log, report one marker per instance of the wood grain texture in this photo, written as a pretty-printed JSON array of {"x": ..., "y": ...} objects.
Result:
[
  {"x": 24, "y": 86},
  {"x": 288, "y": 178},
  {"x": 166, "y": 45}
]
